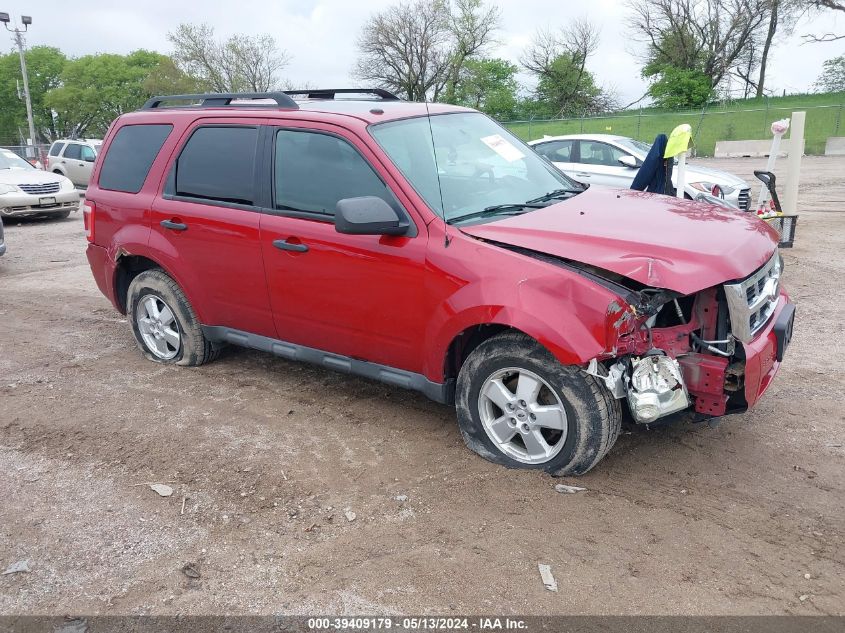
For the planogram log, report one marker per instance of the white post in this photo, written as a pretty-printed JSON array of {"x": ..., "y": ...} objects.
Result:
[
  {"x": 779, "y": 128},
  {"x": 682, "y": 175},
  {"x": 793, "y": 162}
]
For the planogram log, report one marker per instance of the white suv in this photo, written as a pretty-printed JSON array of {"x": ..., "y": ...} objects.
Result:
[{"x": 74, "y": 158}]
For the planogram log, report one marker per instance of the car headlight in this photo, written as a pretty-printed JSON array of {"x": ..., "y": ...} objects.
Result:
[
  {"x": 7, "y": 189},
  {"x": 66, "y": 184}
]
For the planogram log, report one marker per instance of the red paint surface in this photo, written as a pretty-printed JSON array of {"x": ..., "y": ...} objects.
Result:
[{"x": 403, "y": 301}]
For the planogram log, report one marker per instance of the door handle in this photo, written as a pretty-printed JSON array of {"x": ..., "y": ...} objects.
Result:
[
  {"x": 175, "y": 226},
  {"x": 284, "y": 245}
]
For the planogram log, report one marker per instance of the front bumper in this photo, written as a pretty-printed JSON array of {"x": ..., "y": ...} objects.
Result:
[
  {"x": 764, "y": 354},
  {"x": 19, "y": 205}
]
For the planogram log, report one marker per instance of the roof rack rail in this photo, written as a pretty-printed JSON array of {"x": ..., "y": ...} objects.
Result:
[
  {"x": 218, "y": 99},
  {"x": 330, "y": 93}
]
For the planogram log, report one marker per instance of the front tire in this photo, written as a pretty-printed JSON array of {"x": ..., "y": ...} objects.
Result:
[
  {"x": 165, "y": 326},
  {"x": 519, "y": 407}
]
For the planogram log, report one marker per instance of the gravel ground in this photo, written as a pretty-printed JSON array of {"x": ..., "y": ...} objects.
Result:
[{"x": 745, "y": 517}]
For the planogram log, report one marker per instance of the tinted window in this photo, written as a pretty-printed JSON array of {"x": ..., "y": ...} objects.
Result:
[
  {"x": 597, "y": 153},
  {"x": 88, "y": 154},
  {"x": 130, "y": 156},
  {"x": 217, "y": 164},
  {"x": 73, "y": 150},
  {"x": 313, "y": 171},
  {"x": 56, "y": 149},
  {"x": 556, "y": 151}
]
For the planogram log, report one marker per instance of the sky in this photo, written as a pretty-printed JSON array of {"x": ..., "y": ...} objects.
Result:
[{"x": 320, "y": 34}]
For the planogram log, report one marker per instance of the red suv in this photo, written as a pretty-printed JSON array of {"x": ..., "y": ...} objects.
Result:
[{"x": 425, "y": 246}]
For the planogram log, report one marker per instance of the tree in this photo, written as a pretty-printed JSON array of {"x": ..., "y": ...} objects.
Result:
[
  {"x": 832, "y": 78},
  {"x": 242, "y": 63},
  {"x": 418, "y": 49},
  {"x": 824, "y": 5},
  {"x": 44, "y": 67},
  {"x": 472, "y": 26},
  {"x": 96, "y": 89},
  {"x": 706, "y": 36},
  {"x": 488, "y": 85},
  {"x": 558, "y": 60},
  {"x": 782, "y": 15}
]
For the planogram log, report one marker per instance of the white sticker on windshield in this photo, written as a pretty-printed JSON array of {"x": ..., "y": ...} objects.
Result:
[{"x": 502, "y": 147}]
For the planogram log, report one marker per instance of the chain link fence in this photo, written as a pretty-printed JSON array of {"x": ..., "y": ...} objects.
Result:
[{"x": 708, "y": 126}]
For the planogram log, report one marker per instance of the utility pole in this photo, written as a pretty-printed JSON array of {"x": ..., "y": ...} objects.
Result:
[{"x": 18, "y": 36}]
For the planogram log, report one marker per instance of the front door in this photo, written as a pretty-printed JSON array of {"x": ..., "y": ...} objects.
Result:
[
  {"x": 355, "y": 295},
  {"x": 74, "y": 165},
  {"x": 206, "y": 225}
]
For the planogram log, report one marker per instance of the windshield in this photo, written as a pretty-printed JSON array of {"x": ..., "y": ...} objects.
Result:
[
  {"x": 638, "y": 147},
  {"x": 10, "y": 160},
  {"x": 472, "y": 165}
]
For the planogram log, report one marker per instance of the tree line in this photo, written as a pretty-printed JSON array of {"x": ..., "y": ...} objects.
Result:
[
  {"x": 79, "y": 97},
  {"x": 689, "y": 51}
]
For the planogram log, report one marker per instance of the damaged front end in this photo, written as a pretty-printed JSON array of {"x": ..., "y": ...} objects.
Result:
[{"x": 715, "y": 350}]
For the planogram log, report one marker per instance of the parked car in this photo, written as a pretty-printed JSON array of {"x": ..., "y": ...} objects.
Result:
[
  {"x": 425, "y": 246},
  {"x": 74, "y": 158},
  {"x": 605, "y": 159},
  {"x": 2, "y": 239},
  {"x": 26, "y": 191}
]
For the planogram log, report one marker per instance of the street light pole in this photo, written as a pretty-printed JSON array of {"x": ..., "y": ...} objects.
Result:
[{"x": 18, "y": 35}]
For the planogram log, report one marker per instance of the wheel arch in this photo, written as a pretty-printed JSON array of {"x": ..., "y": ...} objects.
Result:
[{"x": 128, "y": 266}]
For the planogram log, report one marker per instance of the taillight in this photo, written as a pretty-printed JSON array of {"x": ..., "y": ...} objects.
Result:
[{"x": 88, "y": 219}]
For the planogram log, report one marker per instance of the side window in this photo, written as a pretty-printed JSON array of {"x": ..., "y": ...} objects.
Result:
[
  {"x": 130, "y": 156},
  {"x": 217, "y": 163},
  {"x": 313, "y": 171},
  {"x": 73, "y": 151},
  {"x": 56, "y": 149},
  {"x": 88, "y": 154},
  {"x": 556, "y": 151},
  {"x": 598, "y": 153}
]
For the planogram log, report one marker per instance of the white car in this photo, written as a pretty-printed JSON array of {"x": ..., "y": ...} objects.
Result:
[
  {"x": 74, "y": 158},
  {"x": 605, "y": 159},
  {"x": 27, "y": 191}
]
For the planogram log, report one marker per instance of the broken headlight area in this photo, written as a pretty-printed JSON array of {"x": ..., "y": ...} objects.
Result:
[{"x": 674, "y": 353}]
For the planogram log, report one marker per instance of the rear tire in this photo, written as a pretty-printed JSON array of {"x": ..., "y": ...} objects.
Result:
[
  {"x": 165, "y": 326},
  {"x": 563, "y": 420}
]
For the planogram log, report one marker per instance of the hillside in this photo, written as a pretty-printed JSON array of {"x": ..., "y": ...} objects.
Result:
[{"x": 735, "y": 120}]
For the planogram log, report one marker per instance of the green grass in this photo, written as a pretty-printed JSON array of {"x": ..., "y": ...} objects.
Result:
[{"x": 737, "y": 120}]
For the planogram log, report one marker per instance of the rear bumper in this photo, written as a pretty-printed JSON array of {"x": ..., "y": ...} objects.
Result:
[
  {"x": 763, "y": 355},
  {"x": 19, "y": 205},
  {"x": 103, "y": 270}
]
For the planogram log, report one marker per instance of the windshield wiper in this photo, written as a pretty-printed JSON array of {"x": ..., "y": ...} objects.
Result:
[
  {"x": 557, "y": 193},
  {"x": 514, "y": 208}
]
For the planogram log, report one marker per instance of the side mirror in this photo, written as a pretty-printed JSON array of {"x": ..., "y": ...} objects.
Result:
[
  {"x": 368, "y": 215},
  {"x": 88, "y": 158},
  {"x": 629, "y": 161}
]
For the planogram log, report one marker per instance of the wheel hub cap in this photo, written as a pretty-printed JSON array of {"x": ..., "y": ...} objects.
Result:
[
  {"x": 158, "y": 327},
  {"x": 522, "y": 415}
]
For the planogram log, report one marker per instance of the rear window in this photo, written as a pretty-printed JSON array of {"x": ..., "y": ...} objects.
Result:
[
  {"x": 56, "y": 149},
  {"x": 130, "y": 156},
  {"x": 217, "y": 163}
]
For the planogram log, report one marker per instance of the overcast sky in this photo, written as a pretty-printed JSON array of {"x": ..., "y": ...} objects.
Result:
[{"x": 320, "y": 34}]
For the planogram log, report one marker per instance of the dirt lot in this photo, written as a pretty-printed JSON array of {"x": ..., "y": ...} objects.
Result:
[{"x": 269, "y": 454}]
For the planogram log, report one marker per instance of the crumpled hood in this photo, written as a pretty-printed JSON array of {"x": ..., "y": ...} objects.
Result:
[{"x": 657, "y": 240}]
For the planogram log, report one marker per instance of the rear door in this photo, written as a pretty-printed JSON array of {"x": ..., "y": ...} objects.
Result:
[
  {"x": 74, "y": 166},
  {"x": 355, "y": 295},
  {"x": 598, "y": 164},
  {"x": 206, "y": 224},
  {"x": 562, "y": 153}
]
